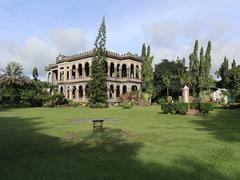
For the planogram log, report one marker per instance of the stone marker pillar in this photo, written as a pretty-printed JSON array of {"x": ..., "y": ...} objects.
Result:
[{"x": 185, "y": 95}]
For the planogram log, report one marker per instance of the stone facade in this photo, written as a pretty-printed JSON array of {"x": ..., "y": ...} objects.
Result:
[{"x": 71, "y": 74}]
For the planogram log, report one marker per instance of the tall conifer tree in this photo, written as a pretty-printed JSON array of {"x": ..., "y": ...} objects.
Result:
[
  {"x": 234, "y": 65},
  {"x": 208, "y": 59},
  {"x": 147, "y": 72},
  {"x": 202, "y": 77},
  {"x": 98, "y": 84},
  {"x": 194, "y": 69}
]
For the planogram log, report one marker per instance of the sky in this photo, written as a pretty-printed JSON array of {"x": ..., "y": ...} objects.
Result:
[{"x": 35, "y": 32}]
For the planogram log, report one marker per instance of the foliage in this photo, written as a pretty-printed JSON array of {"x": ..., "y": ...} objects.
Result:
[
  {"x": 182, "y": 108},
  {"x": 147, "y": 72},
  {"x": 169, "y": 78},
  {"x": 205, "y": 107},
  {"x": 208, "y": 59},
  {"x": 98, "y": 105},
  {"x": 230, "y": 78},
  {"x": 35, "y": 73},
  {"x": 55, "y": 100},
  {"x": 199, "y": 69},
  {"x": 12, "y": 78},
  {"x": 98, "y": 85},
  {"x": 126, "y": 105},
  {"x": 175, "y": 108},
  {"x": 223, "y": 74},
  {"x": 194, "y": 70},
  {"x": 202, "y": 79}
]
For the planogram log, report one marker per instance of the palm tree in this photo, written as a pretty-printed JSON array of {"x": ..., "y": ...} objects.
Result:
[{"x": 12, "y": 77}]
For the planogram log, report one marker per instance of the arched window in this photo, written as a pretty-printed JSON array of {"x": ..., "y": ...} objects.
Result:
[
  {"x": 134, "y": 88},
  {"x": 80, "y": 70},
  {"x": 137, "y": 72},
  {"x": 111, "y": 70},
  {"x": 74, "y": 92},
  {"x": 124, "y": 90},
  {"x": 132, "y": 71},
  {"x": 118, "y": 91},
  {"x": 80, "y": 91},
  {"x": 61, "y": 90},
  {"x": 111, "y": 91},
  {"x": 87, "y": 69},
  {"x": 73, "y": 72},
  {"x": 118, "y": 70},
  {"x": 124, "y": 70}
]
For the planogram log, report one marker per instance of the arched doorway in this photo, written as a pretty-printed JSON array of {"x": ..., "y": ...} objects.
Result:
[
  {"x": 124, "y": 70},
  {"x": 118, "y": 91},
  {"x": 80, "y": 91},
  {"x": 124, "y": 90},
  {"x": 134, "y": 88},
  {"x": 61, "y": 90},
  {"x": 111, "y": 91},
  {"x": 74, "y": 92}
]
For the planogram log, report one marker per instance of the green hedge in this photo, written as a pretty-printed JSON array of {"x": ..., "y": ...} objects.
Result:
[
  {"x": 175, "y": 108},
  {"x": 205, "y": 107}
]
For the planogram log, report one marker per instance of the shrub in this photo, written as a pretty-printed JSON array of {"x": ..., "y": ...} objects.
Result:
[
  {"x": 175, "y": 108},
  {"x": 162, "y": 101},
  {"x": 126, "y": 105},
  {"x": 72, "y": 104},
  {"x": 55, "y": 100},
  {"x": 195, "y": 105},
  {"x": 98, "y": 105},
  {"x": 182, "y": 108},
  {"x": 205, "y": 107},
  {"x": 165, "y": 108}
]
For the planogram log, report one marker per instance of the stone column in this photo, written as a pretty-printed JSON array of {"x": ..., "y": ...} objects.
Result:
[
  {"x": 70, "y": 73},
  {"x": 65, "y": 73},
  {"x": 83, "y": 71},
  {"x": 120, "y": 73},
  {"x": 70, "y": 93},
  {"x": 114, "y": 92},
  {"x": 108, "y": 71},
  {"x": 77, "y": 74},
  {"x": 84, "y": 94}
]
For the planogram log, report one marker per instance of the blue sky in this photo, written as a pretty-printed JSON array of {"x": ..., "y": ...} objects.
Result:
[{"x": 34, "y": 32}]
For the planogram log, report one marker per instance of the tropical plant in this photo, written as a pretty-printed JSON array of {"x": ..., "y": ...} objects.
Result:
[{"x": 12, "y": 78}]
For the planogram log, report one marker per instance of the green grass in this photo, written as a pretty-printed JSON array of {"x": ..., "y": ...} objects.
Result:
[{"x": 138, "y": 143}]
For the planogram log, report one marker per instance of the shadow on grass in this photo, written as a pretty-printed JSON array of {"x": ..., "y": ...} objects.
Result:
[
  {"x": 224, "y": 124},
  {"x": 27, "y": 154}
]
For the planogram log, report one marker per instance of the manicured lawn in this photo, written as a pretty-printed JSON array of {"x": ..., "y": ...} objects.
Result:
[{"x": 138, "y": 143}]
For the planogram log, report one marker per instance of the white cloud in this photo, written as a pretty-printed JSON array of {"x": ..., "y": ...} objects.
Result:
[
  {"x": 36, "y": 52},
  {"x": 33, "y": 52},
  {"x": 172, "y": 39},
  {"x": 68, "y": 41}
]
